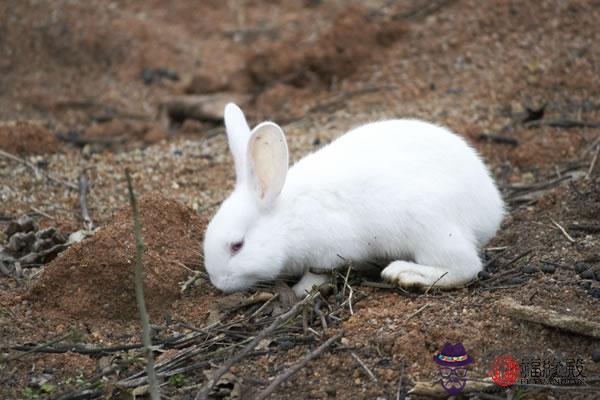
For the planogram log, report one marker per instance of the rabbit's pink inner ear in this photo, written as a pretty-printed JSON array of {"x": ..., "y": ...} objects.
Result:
[
  {"x": 268, "y": 161},
  {"x": 238, "y": 134}
]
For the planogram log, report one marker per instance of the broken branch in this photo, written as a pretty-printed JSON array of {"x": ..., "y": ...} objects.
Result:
[
  {"x": 139, "y": 293},
  {"x": 288, "y": 373},
  {"x": 203, "y": 393},
  {"x": 37, "y": 170},
  {"x": 550, "y": 318}
]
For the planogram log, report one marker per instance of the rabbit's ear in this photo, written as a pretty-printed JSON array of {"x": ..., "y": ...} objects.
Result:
[
  {"x": 238, "y": 134},
  {"x": 267, "y": 162}
]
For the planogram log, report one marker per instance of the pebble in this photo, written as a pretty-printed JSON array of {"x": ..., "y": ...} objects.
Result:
[
  {"x": 594, "y": 292},
  {"x": 530, "y": 269},
  {"x": 24, "y": 224},
  {"x": 596, "y": 356},
  {"x": 587, "y": 274},
  {"x": 585, "y": 284},
  {"x": 580, "y": 266},
  {"x": 548, "y": 268},
  {"x": 517, "y": 280}
]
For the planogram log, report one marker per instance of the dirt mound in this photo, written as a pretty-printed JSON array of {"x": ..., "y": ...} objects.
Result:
[
  {"x": 94, "y": 278},
  {"x": 26, "y": 138},
  {"x": 334, "y": 55}
]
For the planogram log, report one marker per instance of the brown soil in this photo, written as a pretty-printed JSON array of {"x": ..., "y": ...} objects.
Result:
[
  {"x": 93, "y": 279},
  {"x": 27, "y": 138},
  {"x": 89, "y": 72}
]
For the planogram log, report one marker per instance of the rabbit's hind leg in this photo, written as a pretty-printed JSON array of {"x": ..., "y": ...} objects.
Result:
[{"x": 448, "y": 264}]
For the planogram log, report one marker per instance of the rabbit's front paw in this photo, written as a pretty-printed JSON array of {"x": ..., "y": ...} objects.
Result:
[{"x": 308, "y": 282}]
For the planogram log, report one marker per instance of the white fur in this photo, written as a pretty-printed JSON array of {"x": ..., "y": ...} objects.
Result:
[{"x": 404, "y": 191}]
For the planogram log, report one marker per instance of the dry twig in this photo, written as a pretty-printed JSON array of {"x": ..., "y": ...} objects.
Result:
[
  {"x": 564, "y": 232},
  {"x": 593, "y": 163},
  {"x": 139, "y": 293},
  {"x": 400, "y": 393},
  {"x": 288, "y": 373},
  {"x": 434, "y": 389},
  {"x": 589, "y": 228},
  {"x": 37, "y": 170},
  {"x": 364, "y": 366},
  {"x": 203, "y": 393},
  {"x": 85, "y": 214},
  {"x": 434, "y": 283},
  {"x": 550, "y": 318},
  {"x": 419, "y": 311},
  {"x": 41, "y": 346}
]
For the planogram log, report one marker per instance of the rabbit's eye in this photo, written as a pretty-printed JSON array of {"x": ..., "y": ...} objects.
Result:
[{"x": 235, "y": 247}]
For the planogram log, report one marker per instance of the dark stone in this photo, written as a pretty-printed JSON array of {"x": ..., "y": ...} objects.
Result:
[
  {"x": 530, "y": 269},
  {"x": 316, "y": 141},
  {"x": 517, "y": 280},
  {"x": 148, "y": 76},
  {"x": 594, "y": 292},
  {"x": 42, "y": 244},
  {"x": 167, "y": 73},
  {"x": 46, "y": 233},
  {"x": 24, "y": 224},
  {"x": 587, "y": 274},
  {"x": 20, "y": 242},
  {"x": 596, "y": 356},
  {"x": 585, "y": 284},
  {"x": 580, "y": 266},
  {"x": 548, "y": 268}
]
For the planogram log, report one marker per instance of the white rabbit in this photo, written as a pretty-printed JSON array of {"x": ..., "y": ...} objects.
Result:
[{"x": 404, "y": 190}]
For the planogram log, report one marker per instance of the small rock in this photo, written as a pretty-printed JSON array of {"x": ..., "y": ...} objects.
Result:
[
  {"x": 151, "y": 75},
  {"x": 596, "y": 356},
  {"x": 580, "y": 266},
  {"x": 46, "y": 233},
  {"x": 20, "y": 241},
  {"x": 587, "y": 274},
  {"x": 43, "y": 244},
  {"x": 585, "y": 284},
  {"x": 77, "y": 237},
  {"x": 167, "y": 73},
  {"x": 24, "y": 224},
  {"x": 531, "y": 269},
  {"x": 594, "y": 292},
  {"x": 597, "y": 274},
  {"x": 483, "y": 275},
  {"x": 548, "y": 268},
  {"x": 517, "y": 280},
  {"x": 5, "y": 256},
  {"x": 38, "y": 381}
]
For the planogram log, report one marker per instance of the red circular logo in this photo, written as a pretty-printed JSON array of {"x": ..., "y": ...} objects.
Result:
[{"x": 505, "y": 370}]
